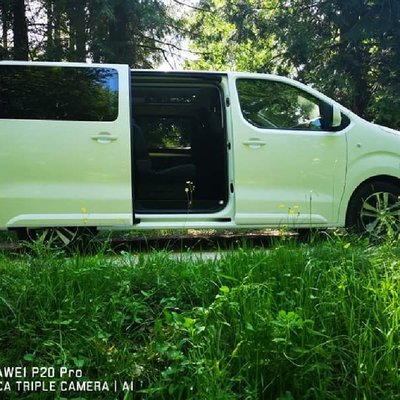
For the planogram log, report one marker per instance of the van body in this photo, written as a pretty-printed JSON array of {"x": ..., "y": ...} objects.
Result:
[{"x": 103, "y": 146}]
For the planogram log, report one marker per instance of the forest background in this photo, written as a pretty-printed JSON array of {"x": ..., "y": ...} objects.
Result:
[{"x": 348, "y": 49}]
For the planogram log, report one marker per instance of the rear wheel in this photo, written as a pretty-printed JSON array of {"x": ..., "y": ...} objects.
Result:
[
  {"x": 375, "y": 209},
  {"x": 56, "y": 237}
]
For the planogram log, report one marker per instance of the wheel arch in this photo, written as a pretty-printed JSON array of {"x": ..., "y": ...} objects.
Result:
[{"x": 374, "y": 179}]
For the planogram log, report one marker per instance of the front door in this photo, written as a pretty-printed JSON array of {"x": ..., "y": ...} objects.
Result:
[{"x": 289, "y": 167}]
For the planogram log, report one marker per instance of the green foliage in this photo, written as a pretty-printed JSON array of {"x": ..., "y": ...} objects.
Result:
[
  {"x": 230, "y": 35},
  {"x": 119, "y": 31},
  {"x": 313, "y": 321},
  {"x": 347, "y": 49}
]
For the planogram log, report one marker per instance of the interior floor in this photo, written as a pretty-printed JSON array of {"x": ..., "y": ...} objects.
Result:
[{"x": 179, "y": 145}]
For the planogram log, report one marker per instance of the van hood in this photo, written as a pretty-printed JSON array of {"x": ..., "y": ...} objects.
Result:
[{"x": 389, "y": 130}]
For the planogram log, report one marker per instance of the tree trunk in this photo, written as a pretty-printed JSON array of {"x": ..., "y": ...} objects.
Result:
[
  {"x": 77, "y": 21},
  {"x": 355, "y": 61},
  {"x": 118, "y": 29},
  {"x": 20, "y": 31},
  {"x": 50, "y": 30},
  {"x": 5, "y": 25}
]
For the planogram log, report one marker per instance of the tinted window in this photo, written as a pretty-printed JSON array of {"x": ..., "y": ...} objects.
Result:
[
  {"x": 167, "y": 132},
  {"x": 58, "y": 93},
  {"x": 276, "y": 105}
]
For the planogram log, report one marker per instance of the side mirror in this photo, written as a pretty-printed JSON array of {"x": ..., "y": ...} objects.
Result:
[{"x": 331, "y": 116}]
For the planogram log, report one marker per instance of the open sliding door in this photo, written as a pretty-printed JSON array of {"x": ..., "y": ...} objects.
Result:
[{"x": 65, "y": 157}]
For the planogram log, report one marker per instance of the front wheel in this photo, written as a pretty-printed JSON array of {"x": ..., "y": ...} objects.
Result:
[{"x": 375, "y": 209}]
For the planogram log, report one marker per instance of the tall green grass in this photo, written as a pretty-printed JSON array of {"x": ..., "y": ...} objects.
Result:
[{"x": 298, "y": 321}]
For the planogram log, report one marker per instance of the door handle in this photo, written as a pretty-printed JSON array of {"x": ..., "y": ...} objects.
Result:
[
  {"x": 104, "y": 138},
  {"x": 254, "y": 143}
]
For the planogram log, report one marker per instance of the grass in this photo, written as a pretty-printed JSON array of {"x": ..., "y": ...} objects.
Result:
[{"x": 301, "y": 321}]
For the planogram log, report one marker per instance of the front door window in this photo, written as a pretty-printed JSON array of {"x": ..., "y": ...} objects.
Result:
[{"x": 277, "y": 105}]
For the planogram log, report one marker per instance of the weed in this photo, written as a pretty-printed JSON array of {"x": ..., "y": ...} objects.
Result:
[{"x": 300, "y": 321}]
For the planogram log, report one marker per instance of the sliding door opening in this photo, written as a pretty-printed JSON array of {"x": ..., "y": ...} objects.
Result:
[{"x": 179, "y": 146}]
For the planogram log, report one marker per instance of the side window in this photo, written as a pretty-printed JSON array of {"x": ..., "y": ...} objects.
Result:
[
  {"x": 167, "y": 132},
  {"x": 277, "y": 105},
  {"x": 58, "y": 93}
]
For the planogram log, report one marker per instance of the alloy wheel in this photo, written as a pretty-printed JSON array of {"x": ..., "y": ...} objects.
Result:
[{"x": 380, "y": 214}]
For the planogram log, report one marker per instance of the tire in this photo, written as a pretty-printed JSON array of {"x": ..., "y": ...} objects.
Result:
[
  {"x": 306, "y": 235},
  {"x": 374, "y": 209}
]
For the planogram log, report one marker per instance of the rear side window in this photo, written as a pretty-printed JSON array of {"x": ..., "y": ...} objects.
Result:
[
  {"x": 167, "y": 132},
  {"x": 58, "y": 93}
]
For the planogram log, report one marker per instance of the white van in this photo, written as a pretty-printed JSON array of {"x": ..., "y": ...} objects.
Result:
[{"x": 103, "y": 146}]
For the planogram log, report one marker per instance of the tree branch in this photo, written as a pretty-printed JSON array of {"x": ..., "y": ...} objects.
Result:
[
  {"x": 171, "y": 45},
  {"x": 190, "y": 6},
  {"x": 163, "y": 51}
]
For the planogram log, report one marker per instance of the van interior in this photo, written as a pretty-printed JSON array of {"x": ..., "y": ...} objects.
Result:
[{"x": 179, "y": 143}]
